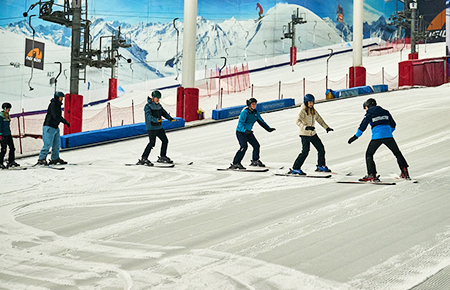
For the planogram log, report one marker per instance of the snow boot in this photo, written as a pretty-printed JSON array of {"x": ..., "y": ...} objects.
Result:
[
  {"x": 144, "y": 161},
  {"x": 236, "y": 166},
  {"x": 42, "y": 162},
  {"x": 323, "y": 168},
  {"x": 257, "y": 163},
  {"x": 13, "y": 164},
  {"x": 404, "y": 173},
  {"x": 296, "y": 172},
  {"x": 57, "y": 161},
  {"x": 164, "y": 159},
  {"x": 370, "y": 178}
]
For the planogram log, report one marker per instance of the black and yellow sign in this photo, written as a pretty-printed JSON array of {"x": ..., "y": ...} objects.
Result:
[{"x": 34, "y": 56}]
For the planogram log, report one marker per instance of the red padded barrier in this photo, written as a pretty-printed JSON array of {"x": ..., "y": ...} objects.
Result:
[
  {"x": 357, "y": 76},
  {"x": 73, "y": 113}
]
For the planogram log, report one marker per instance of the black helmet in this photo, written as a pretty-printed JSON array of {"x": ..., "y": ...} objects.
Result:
[
  {"x": 156, "y": 94},
  {"x": 6, "y": 106},
  {"x": 369, "y": 103},
  {"x": 308, "y": 98},
  {"x": 58, "y": 95},
  {"x": 251, "y": 101}
]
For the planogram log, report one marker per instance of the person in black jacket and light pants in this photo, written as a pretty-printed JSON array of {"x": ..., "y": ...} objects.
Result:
[{"x": 50, "y": 134}]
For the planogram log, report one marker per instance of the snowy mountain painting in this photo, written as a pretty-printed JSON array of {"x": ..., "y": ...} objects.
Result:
[{"x": 156, "y": 50}]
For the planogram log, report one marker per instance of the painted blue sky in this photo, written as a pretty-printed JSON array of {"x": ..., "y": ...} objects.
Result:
[{"x": 133, "y": 11}]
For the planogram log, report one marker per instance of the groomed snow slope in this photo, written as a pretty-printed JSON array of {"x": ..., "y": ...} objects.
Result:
[{"x": 103, "y": 225}]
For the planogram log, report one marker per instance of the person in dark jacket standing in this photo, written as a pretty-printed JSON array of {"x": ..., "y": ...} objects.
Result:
[
  {"x": 382, "y": 127},
  {"x": 154, "y": 112},
  {"x": 249, "y": 115},
  {"x": 50, "y": 132},
  {"x": 6, "y": 139}
]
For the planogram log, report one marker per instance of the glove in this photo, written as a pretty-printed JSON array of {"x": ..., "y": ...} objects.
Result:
[
  {"x": 271, "y": 129},
  {"x": 329, "y": 129},
  {"x": 311, "y": 128},
  {"x": 68, "y": 125},
  {"x": 351, "y": 140}
]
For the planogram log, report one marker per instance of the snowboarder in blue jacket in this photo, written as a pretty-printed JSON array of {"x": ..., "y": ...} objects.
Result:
[
  {"x": 383, "y": 125},
  {"x": 154, "y": 112},
  {"x": 249, "y": 115},
  {"x": 6, "y": 139}
]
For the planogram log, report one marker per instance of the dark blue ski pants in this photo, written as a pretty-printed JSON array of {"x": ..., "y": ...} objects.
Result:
[{"x": 244, "y": 139}]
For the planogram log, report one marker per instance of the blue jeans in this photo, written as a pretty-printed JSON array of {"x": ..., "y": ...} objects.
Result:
[{"x": 51, "y": 138}]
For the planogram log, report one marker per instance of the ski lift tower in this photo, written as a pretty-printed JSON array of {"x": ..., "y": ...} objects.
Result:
[
  {"x": 296, "y": 19},
  {"x": 73, "y": 14}
]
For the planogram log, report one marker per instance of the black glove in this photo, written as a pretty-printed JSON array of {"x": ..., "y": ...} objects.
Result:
[
  {"x": 248, "y": 132},
  {"x": 329, "y": 129},
  {"x": 352, "y": 139},
  {"x": 271, "y": 129},
  {"x": 311, "y": 128},
  {"x": 68, "y": 124}
]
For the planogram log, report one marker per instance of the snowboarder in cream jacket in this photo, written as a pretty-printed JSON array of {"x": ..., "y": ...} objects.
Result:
[{"x": 306, "y": 121}]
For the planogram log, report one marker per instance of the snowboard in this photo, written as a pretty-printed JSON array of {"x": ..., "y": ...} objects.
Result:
[
  {"x": 15, "y": 168},
  {"x": 366, "y": 182},
  {"x": 256, "y": 169},
  {"x": 157, "y": 165},
  {"x": 298, "y": 175},
  {"x": 45, "y": 166}
]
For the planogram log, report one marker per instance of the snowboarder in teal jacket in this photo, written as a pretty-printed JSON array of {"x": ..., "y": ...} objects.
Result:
[{"x": 249, "y": 115}]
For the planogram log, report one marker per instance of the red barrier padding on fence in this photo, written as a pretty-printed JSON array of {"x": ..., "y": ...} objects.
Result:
[
  {"x": 73, "y": 113},
  {"x": 429, "y": 72},
  {"x": 112, "y": 91},
  {"x": 357, "y": 76},
  {"x": 413, "y": 55},
  {"x": 293, "y": 59},
  {"x": 191, "y": 104},
  {"x": 180, "y": 102}
]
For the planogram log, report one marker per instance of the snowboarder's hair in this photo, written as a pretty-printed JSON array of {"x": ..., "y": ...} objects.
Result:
[
  {"x": 251, "y": 101},
  {"x": 369, "y": 103},
  {"x": 6, "y": 106}
]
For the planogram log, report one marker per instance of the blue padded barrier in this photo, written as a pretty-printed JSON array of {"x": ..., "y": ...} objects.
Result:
[
  {"x": 113, "y": 133},
  {"x": 380, "y": 88},
  {"x": 356, "y": 91},
  {"x": 261, "y": 107}
]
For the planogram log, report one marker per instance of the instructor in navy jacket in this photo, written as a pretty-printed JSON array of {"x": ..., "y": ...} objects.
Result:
[{"x": 382, "y": 125}]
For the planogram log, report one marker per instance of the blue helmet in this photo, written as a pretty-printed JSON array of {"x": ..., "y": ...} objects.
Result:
[
  {"x": 308, "y": 98},
  {"x": 58, "y": 95}
]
